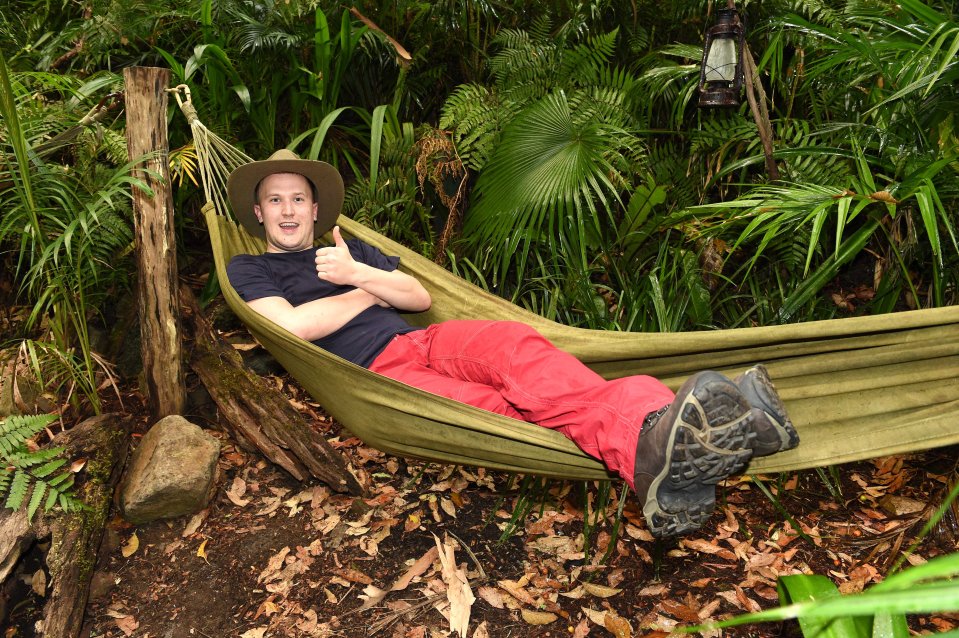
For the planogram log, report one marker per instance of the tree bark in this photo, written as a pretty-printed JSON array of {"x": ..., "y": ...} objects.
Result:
[
  {"x": 258, "y": 416},
  {"x": 146, "y": 104},
  {"x": 75, "y": 537}
]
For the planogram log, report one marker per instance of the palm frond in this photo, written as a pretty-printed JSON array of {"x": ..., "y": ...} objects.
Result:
[{"x": 552, "y": 175}]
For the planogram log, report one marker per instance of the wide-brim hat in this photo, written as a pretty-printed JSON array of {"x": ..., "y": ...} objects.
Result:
[{"x": 326, "y": 180}]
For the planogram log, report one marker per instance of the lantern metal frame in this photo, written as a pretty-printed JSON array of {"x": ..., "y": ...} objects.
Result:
[{"x": 723, "y": 92}]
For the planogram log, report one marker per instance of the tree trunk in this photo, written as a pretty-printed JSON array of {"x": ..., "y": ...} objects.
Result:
[
  {"x": 75, "y": 537},
  {"x": 146, "y": 105},
  {"x": 259, "y": 417}
]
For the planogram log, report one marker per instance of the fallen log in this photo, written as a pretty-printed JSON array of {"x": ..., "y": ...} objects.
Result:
[
  {"x": 74, "y": 537},
  {"x": 258, "y": 416}
]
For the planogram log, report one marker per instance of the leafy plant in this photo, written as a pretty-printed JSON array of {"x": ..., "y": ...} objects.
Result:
[
  {"x": 879, "y": 611},
  {"x": 35, "y": 472},
  {"x": 69, "y": 221}
]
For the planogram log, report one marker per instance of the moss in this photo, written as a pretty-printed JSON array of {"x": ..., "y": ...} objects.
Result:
[{"x": 77, "y": 528}]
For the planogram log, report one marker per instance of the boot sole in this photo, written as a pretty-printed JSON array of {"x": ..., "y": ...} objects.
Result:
[
  {"x": 682, "y": 497},
  {"x": 762, "y": 394}
]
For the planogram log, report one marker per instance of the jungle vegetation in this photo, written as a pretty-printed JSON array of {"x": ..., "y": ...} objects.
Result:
[{"x": 549, "y": 151}]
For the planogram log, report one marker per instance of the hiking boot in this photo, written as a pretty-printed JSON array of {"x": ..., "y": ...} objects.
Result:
[
  {"x": 699, "y": 439},
  {"x": 768, "y": 419}
]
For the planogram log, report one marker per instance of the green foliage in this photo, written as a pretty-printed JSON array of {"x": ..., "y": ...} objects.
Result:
[
  {"x": 387, "y": 199},
  {"x": 879, "y": 611},
  {"x": 868, "y": 150},
  {"x": 24, "y": 472},
  {"x": 555, "y": 141},
  {"x": 69, "y": 221}
]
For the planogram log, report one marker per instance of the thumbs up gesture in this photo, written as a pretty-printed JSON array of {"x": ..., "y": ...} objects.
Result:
[{"x": 334, "y": 263}]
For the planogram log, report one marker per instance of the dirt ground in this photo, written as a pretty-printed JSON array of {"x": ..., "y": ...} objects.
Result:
[{"x": 274, "y": 557}]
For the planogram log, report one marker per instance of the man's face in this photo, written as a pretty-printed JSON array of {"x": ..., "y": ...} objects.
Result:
[{"x": 287, "y": 211}]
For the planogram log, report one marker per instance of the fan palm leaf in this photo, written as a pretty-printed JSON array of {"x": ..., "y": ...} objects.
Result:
[{"x": 552, "y": 179}]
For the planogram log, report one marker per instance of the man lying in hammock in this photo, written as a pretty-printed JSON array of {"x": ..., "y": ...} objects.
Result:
[{"x": 347, "y": 299}]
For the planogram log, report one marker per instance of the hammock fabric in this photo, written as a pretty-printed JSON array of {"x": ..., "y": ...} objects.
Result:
[{"x": 856, "y": 388}]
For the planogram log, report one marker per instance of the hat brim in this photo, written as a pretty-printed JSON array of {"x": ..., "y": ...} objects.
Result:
[{"x": 241, "y": 189}]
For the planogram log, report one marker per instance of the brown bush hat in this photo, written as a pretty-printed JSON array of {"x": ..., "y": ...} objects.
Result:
[{"x": 326, "y": 180}]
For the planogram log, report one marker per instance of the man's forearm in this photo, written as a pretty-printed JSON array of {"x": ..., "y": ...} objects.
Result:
[
  {"x": 397, "y": 289},
  {"x": 315, "y": 319}
]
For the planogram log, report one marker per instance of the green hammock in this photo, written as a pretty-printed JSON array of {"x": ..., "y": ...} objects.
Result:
[{"x": 856, "y": 388}]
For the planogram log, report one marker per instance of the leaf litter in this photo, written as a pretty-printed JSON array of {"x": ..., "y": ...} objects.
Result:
[{"x": 420, "y": 554}]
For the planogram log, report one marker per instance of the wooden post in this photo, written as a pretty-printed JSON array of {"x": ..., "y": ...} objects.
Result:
[{"x": 146, "y": 106}]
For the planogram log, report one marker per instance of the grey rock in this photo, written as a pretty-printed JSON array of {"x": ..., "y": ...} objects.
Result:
[{"x": 171, "y": 472}]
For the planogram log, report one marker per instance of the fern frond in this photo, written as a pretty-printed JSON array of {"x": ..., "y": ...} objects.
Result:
[
  {"x": 49, "y": 467},
  {"x": 27, "y": 460},
  {"x": 16, "y": 429},
  {"x": 39, "y": 489},
  {"x": 477, "y": 116},
  {"x": 23, "y": 469},
  {"x": 18, "y": 489},
  {"x": 62, "y": 481},
  {"x": 584, "y": 63}
]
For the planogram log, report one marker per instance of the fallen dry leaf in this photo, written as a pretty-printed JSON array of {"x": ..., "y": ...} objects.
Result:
[
  {"x": 369, "y": 545},
  {"x": 413, "y": 521},
  {"x": 517, "y": 591},
  {"x": 707, "y": 610},
  {"x": 127, "y": 624},
  {"x": 259, "y": 632},
  {"x": 617, "y": 625},
  {"x": 373, "y": 595},
  {"x": 575, "y": 594},
  {"x": 271, "y": 504},
  {"x": 201, "y": 552},
  {"x": 900, "y": 505},
  {"x": 492, "y": 596},
  {"x": 354, "y": 576},
  {"x": 458, "y": 591},
  {"x": 131, "y": 546},
  {"x": 273, "y": 565},
  {"x": 236, "y": 492},
  {"x": 596, "y": 616},
  {"x": 481, "y": 631},
  {"x": 39, "y": 582},
  {"x": 600, "y": 590},
  {"x": 448, "y": 507},
  {"x": 194, "y": 524},
  {"x": 582, "y": 629},
  {"x": 680, "y": 611},
  {"x": 538, "y": 617},
  {"x": 267, "y": 608}
]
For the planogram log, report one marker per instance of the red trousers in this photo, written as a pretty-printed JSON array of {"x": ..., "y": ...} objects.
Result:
[{"x": 509, "y": 368}]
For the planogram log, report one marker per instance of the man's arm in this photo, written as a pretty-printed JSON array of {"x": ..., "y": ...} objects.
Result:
[
  {"x": 393, "y": 288},
  {"x": 314, "y": 319}
]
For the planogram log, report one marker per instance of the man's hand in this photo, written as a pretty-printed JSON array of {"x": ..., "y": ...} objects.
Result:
[
  {"x": 389, "y": 288},
  {"x": 335, "y": 264}
]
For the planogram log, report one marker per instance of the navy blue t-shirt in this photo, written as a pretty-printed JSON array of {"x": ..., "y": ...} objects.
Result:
[{"x": 293, "y": 277}]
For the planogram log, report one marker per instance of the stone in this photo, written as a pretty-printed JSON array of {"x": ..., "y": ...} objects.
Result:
[
  {"x": 900, "y": 505},
  {"x": 171, "y": 472}
]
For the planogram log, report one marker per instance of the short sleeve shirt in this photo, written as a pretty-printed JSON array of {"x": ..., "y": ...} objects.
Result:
[{"x": 293, "y": 277}]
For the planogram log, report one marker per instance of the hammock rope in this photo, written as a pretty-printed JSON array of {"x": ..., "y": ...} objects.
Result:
[{"x": 856, "y": 388}]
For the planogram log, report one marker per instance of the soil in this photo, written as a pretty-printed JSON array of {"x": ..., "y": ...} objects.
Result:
[{"x": 271, "y": 556}]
